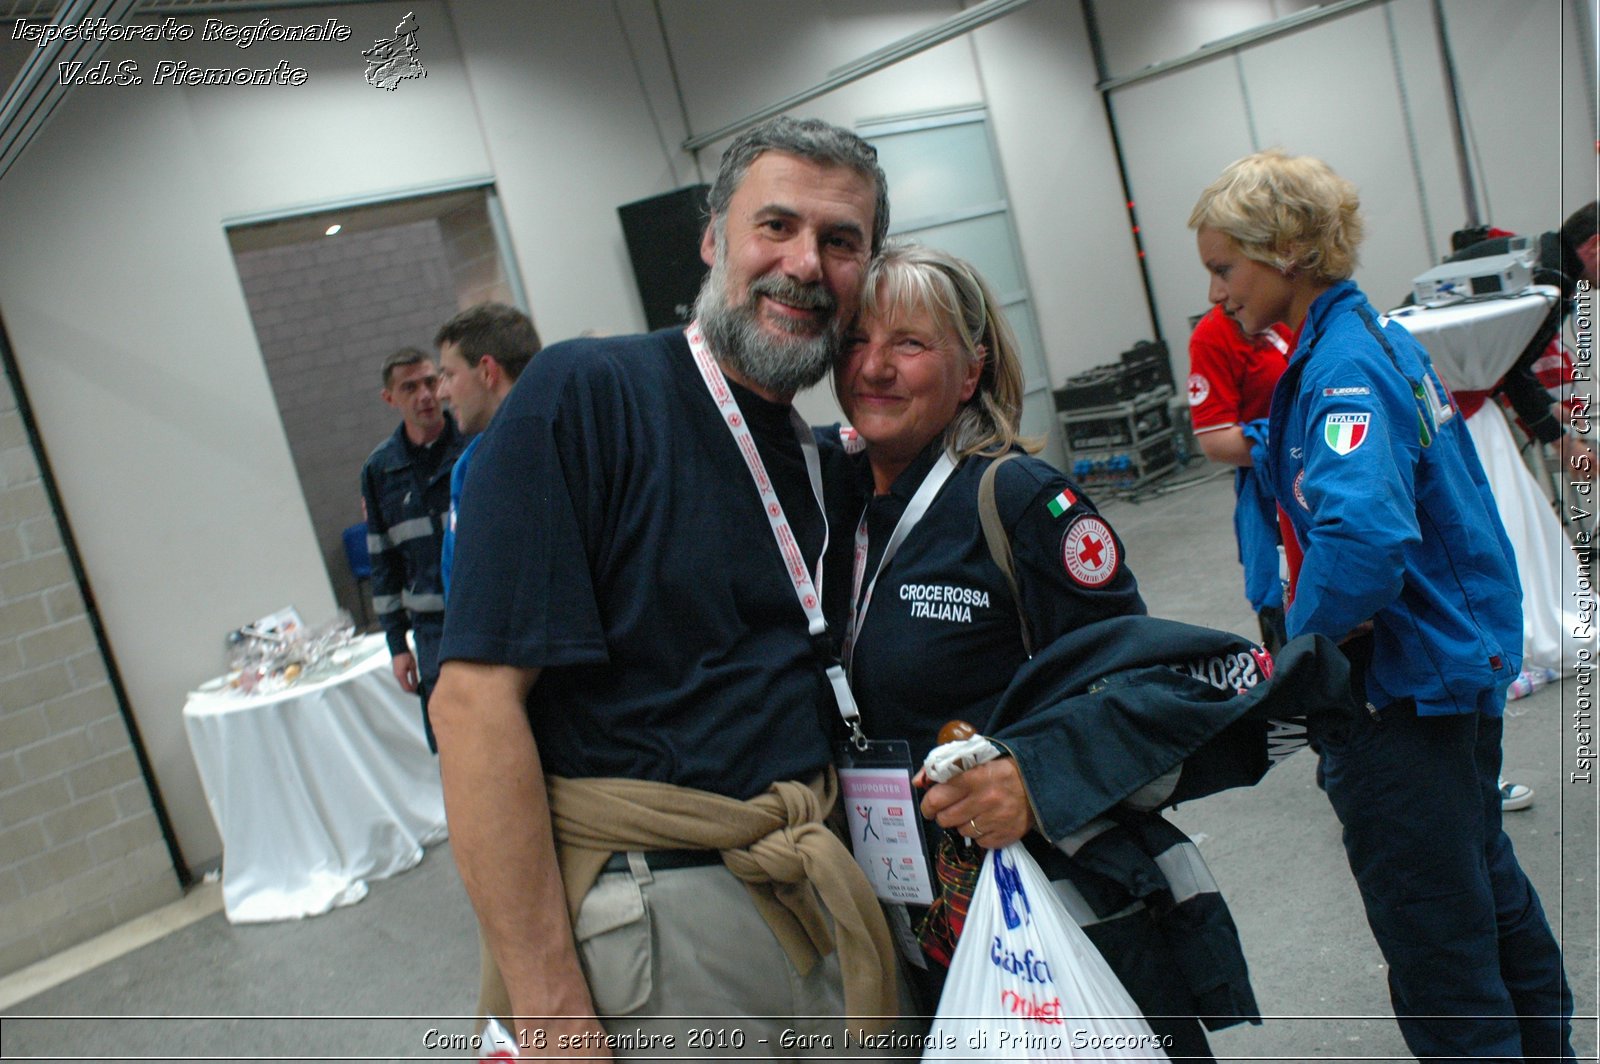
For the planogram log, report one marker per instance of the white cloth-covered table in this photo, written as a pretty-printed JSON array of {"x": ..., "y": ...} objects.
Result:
[
  {"x": 316, "y": 789},
  {"x": 1546, "y": 565},
  {"x": 1473, "y": 344}
]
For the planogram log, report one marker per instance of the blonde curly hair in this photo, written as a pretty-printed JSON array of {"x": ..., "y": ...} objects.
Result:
[{"x": 1292, "y": 213}]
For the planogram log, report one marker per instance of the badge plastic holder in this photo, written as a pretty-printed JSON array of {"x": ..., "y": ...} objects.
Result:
[{"x": 882, "y": 809}]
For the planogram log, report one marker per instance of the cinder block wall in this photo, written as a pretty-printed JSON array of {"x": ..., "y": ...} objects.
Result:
[
  {"x": 80, "y": 846},
  {"x": 474, "y": 257}
]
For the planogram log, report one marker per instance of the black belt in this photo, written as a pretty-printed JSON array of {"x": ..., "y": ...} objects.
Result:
[{"x": 665, "y": 860}]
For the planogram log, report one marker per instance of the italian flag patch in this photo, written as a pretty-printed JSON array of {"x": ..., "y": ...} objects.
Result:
[
  {"x": 1344, "y": 432},
  {"x": 1061, "y": 503}
]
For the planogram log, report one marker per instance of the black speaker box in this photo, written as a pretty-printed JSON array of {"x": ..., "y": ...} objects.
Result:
[{"x": 663, "y": 235}]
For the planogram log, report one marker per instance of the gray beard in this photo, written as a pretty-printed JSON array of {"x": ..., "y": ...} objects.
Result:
[{"x": 778, "y": 364}]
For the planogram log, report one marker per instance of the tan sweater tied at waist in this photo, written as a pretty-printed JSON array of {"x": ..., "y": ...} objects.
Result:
[{"x": 795, "y": 867}]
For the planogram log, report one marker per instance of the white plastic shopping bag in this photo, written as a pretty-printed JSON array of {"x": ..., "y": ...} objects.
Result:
[{"x": 1027, "y": 984}]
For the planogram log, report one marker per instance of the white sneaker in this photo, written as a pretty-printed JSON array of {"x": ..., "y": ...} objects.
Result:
[{"x": 1514, "y": 796}]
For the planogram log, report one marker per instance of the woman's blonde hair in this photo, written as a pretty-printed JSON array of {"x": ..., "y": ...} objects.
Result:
[
  {"x": 906, "y": 275},
  {"x": 1291, "y": 212}
]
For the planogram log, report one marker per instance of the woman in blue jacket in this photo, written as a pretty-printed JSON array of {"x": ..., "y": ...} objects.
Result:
[{"x": 1397, "y": 552}]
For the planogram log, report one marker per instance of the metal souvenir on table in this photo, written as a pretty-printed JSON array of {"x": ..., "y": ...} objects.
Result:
[{"x": 263, "y": 660}]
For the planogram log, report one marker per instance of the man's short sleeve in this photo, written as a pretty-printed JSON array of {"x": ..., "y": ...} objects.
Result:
[{"x": 522, "y": 590}]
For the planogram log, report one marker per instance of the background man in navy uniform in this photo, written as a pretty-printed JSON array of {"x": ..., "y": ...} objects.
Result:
[
  {"x": 405, "y": 491},
  {"x": 620, "y": 613}
]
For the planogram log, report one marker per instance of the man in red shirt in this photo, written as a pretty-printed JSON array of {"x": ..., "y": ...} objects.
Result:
[{"x": 1231, "y": 376}]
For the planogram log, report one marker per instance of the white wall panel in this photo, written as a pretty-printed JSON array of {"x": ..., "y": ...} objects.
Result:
[
  {"x": 736, "y": 58},
  {"x": 137, "y": 353},
  {"x": 1522, "y": 106},
  {"x": 335, "y": 137},
  {"x": 1357, "y": 129},
  {"x": 121, "y": 299},
  {"x": 571, "y": 140},
  {"x": 1065, "y": 193},
  {"x": 1427, "y": 98},
  {"x": 1178, "y": 131},
  {"x": 1580, "y": 103},
  {"x": 1140, "y": 33},
  {"x": 1332, "y": 89}
]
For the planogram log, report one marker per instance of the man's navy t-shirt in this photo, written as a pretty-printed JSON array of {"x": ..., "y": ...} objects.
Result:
[{"x": 610, "y": 535}]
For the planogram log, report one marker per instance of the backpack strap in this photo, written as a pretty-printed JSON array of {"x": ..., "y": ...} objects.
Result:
[{"x": 994, "y": 534}]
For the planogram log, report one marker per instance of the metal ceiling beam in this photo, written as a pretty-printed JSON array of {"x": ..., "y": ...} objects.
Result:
[
  {"x": 906, "y": 47},
  {"x": 1239, "y": 40},
  {"x": 37, "y": 90}
]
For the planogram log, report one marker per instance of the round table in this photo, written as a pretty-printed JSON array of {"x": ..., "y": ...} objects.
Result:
[
  {"x": 1472, "y": 345},
  {"x": 316, "y": 788}
]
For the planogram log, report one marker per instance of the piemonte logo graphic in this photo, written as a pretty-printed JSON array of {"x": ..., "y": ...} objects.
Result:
[{"x": 391, "y": 61}]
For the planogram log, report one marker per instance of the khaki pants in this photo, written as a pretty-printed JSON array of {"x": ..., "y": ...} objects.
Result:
[{"x": 681, "y": 965}]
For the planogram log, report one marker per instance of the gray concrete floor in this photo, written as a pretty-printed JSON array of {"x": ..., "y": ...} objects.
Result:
[{"x": 370, "y": 981}]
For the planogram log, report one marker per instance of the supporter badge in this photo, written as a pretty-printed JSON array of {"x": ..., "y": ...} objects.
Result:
[
  {"x": 1199, "y": 389},
  {"x": 1299, "y": 490},
  {"x": 1089, "y": 552},
  {"x": 853, "y": 443},
  {"x": 1345, "y": 432}
]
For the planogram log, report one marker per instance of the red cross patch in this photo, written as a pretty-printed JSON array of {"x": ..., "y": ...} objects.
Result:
[
  {"x": 1199, "y": 389},
  {"x": 1089, "y": 552}
]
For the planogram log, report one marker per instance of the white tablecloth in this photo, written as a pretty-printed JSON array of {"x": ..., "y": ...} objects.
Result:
[
  {"x": 1546, "y": 566},
  {"x": 316, "y": 789},
  {"x": 1473, "y": 344}
]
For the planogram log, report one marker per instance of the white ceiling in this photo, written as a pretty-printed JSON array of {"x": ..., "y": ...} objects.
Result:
[{"x": 33, "y": 92}]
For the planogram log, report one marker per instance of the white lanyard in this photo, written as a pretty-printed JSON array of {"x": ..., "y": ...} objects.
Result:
[
  {"x": 914, "y": 512},
  {"x": 809, "y": 593}
]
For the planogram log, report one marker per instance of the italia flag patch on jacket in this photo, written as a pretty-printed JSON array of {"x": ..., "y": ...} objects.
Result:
[
  {"x": 1061, "y": 503},
  {"x": 1345, "y": 432}
]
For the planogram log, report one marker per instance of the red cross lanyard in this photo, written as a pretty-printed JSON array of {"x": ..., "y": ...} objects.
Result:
[{"x": 808, "y": 592}]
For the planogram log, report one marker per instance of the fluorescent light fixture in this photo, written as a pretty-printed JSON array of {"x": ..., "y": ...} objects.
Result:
[{"x": 332, "y": 229}]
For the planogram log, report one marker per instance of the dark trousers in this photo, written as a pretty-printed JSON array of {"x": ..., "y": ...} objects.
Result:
[
  {"x": 427, "y": 634},
  {"x": 1474, "y": 971}
]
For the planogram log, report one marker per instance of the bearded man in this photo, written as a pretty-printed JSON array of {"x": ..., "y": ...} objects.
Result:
[{"x": 633, "y": 710}]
